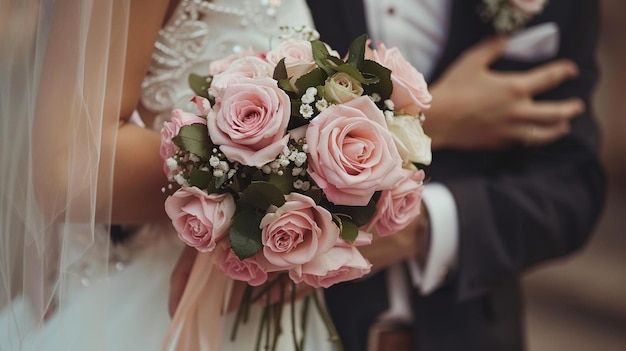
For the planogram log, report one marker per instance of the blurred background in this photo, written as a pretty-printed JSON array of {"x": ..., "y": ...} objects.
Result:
[{"x": 579, "y": 304}]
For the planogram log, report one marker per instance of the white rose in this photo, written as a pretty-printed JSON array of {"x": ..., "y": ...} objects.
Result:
[
  {"x": 412, "y": 143},
  {"x": 341, "y": 87}
]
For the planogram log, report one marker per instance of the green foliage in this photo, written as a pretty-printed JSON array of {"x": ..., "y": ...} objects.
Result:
[
  {"x": 200, "y": 85},
  {"x": 245, "y": 233},
  {"x": 347, "y": 229},
  {"x": 260, "y": 195},
  {"x": 195, "y": 139}
]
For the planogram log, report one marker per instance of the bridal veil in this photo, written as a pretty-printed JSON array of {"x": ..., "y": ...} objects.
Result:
[{"x": 61, "y": 75}]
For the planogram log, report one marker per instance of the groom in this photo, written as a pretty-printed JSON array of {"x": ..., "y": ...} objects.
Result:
[{"x": 514, "y": 208}]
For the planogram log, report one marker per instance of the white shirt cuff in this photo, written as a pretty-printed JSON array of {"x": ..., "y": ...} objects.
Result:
[{"x": 444, "y": 238}]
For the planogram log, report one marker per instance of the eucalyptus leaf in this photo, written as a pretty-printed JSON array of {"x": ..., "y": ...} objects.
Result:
[
  {"x": 245, "y": 234},
  {"x": 195, "y": 139},
  {"x": 353, "y": 72},
  {"x": 261, "y": 195}
]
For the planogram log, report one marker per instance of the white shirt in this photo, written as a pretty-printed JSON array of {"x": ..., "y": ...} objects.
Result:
[{"x": 419, "y": 29}]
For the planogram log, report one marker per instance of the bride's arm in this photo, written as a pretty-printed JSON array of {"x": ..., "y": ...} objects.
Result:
[{"x": 64, "y": 184}]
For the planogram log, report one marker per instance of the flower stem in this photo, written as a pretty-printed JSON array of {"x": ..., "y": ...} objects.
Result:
[
  {"x": 328, "y": 322},
  {"x": 296, "y": 344}
]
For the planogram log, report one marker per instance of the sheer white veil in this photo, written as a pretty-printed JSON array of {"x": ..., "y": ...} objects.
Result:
[{"x": 61, "y": 75}]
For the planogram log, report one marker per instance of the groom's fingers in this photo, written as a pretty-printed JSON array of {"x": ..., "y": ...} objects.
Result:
[{"x": 180, "y": 276}]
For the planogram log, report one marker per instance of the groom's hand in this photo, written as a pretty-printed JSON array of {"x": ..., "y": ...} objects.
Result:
[{"x": 410, "y": 243}]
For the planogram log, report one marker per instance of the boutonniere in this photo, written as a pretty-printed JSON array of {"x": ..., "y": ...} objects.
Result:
[{"x": 508, "y": 16}]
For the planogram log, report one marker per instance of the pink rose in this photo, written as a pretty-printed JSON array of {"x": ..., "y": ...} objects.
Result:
[
  {"x": 410, "y": 91},
  {"x": 249, "y": 121},
  {"x": 297, "y": 232},
  {"x": 298, "y": 56},
  {"x": 219, "y": 66},
  {"x": 200, "y": 219},
  {"x": 351, "y": 152},
  {"x": 340, "y": 264},
  {"x": 203, "y": 105},
  {"x": 397, "y": 207},
  {"x": 528, "y": 7},
  {"x": 249, "y": 270},
  {"x": 170, "y": 129},
  {"x": 245, "y": 67}
]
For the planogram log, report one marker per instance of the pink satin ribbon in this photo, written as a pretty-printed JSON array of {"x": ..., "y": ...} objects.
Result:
[{"x": 198, "y": 320}]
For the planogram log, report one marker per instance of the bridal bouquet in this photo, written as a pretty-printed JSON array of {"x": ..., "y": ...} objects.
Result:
[{"x": 296, "y": 157}]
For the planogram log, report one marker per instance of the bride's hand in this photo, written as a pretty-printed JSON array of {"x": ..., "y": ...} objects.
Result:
[{"x": 476, "y": 108}]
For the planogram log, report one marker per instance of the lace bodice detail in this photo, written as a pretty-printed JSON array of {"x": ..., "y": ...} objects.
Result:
[{"x": 201, "y": 31}]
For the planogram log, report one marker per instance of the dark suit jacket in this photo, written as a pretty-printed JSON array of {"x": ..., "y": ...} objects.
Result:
[{"x": 516, "y": 208}]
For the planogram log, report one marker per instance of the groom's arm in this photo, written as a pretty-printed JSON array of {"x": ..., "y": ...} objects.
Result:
[{"x": 533, "y": 204}]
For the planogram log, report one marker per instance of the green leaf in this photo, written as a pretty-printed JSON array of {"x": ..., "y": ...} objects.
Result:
[
  {"x": 245, "y": 234},
  {"x": 383, "y": 87},
  {"x": 314, "y": 78},
  {"x": 349, "y": 230},
  {"x": 359, "y": 215},
  {"x": 356, "y": 52},
  {"x": 353, "y": 72},
  {"x": 283, "y": 182},
  {"x": 260, "y": 195},
  {"x": 315, "y": 194},
  {"x": 195, "y": 139},
  {"x": 280, "y": 72},
  {"x": 200, "y": 179},
  {"x": 200, "y": 84},
  {"x": 321, "y": 57}
]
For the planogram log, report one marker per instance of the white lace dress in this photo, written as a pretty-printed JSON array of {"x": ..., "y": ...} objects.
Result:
[{"x": 127, "y": 310}]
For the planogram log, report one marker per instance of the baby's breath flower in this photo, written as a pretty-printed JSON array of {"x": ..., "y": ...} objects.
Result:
[
  {"x": 214, "y": 161},
  {"x": 388, "y": 116},
  {"x": 224, "y": 166},
  {"x": 194, "y": 158},
  {"x": 306, "y": 111},
  {"x": 266, "y": 169},
  {"x": 389, "y": 104},
  {"x": 171, "y": 163},
  {"x": 218, "y": 173},
  {"x": 300, "y": 159},
  {"x": 307, "y": 99},
  {"x": 180, "y": 179},
  {"x": 375, "y": 97},
  {"x": 311, "y": 91},
  {"x": 321, "y": 104}
]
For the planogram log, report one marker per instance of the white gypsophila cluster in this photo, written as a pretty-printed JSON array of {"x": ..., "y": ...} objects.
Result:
[
  {"x": 219, "y": 165},
  {"x": 303, "y": 185},
  {"x": 375, "y": 97},
  {"x": 309, "y": 97},
  {"x": 298, "y": 33}
]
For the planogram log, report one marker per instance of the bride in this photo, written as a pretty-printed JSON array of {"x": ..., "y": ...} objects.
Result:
[{"x": 81, "y": 152}]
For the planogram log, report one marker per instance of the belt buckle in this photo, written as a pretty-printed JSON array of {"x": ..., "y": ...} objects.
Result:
[{"x": 390, "y": 336}]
